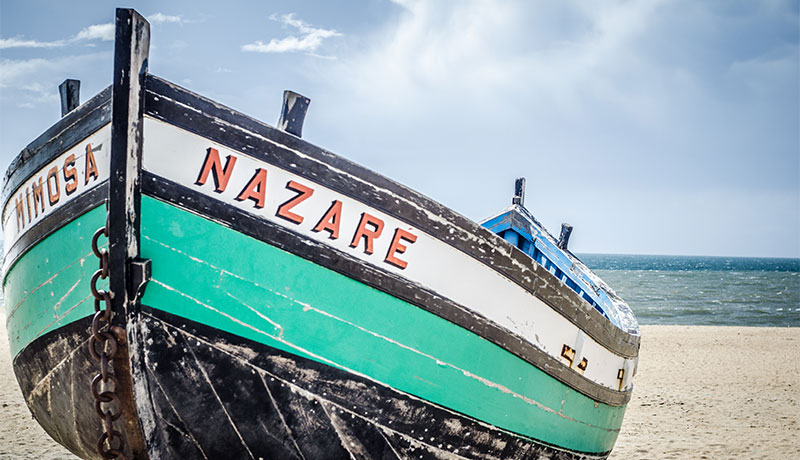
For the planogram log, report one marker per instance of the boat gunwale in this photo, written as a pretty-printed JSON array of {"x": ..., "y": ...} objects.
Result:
[
  {"x": 167, "y": 102},
  {"x": 79, "y": 123}
]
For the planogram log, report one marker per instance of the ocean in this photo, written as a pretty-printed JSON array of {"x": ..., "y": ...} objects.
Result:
[{"x": 690, "y": 290}]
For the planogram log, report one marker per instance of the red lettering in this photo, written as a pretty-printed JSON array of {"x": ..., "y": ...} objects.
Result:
[
  {"x": 330, "y": 221},
  {"x": 213, "y": 165},
  {"x": 38, "y": 196},
  {"x": 397, "y": 247},
  {"x": 91, "y": 165},
  {"x": 20, "y": 212},
  {"x": 53, "y": 192},
  {"x": 256, "y": 189},
  {"x": 28, "y": 203},
  {"x": 284, "y": 210},
  {"x": 70, "y": 175},
  {"x": 368, "y": 235}
]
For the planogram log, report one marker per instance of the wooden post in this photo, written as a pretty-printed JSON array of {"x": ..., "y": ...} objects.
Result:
[
  {"x": 563, "y": 240},
  {"x": 519, "y": 192},
  {"x": 131, "y": 48},
  {"x": 70, "y": 95},
  {"x": 293, "y": 113}
]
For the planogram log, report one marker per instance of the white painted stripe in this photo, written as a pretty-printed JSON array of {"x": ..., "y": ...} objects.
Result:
[
  {"x": 179, "y": 155},
  {"x": 14, "y": 225}
]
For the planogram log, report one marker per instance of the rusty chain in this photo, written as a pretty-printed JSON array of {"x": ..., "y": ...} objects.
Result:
[{"x": 104, "y": 385}]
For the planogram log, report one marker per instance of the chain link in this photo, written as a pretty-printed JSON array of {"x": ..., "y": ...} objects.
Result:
[{"x": 103, "y": 347}]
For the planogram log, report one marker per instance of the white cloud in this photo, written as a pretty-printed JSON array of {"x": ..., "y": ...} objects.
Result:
[
  {"x": 763, "y": 74},
  {"x": 322, "y": 56},
  {"x": 16, "y": 72},
  {"x": 555, "y": 53},
  {"x": 35, "y": 81},
  {"x": 308, "y": 41},
  {"x": 104, "y": 32},
  {"x": 636, "y": 97},
  {"x": 161, "y": 18},
  {"x": 22, "y": 43},
  {"x": 38, "y": 93}
]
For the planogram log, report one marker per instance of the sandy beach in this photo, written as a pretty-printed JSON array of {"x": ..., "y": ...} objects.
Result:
[
  {"x": 701, "y": 392},
  {"x": 706, "y": 392}
]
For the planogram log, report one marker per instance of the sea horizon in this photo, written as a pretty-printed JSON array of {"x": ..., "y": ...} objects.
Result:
[
  {"x": 603, "y": 261},
  {"x": 583, "y": 253},
  {"x": 704, "y": 290}
]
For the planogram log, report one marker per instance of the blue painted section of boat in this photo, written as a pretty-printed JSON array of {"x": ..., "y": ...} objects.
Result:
[{"x": 517, "y": 226}]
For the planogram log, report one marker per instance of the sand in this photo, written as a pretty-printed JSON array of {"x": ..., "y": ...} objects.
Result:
[
  {"x": 701, "y": 393},
  {"x": 714, "y": 392}
]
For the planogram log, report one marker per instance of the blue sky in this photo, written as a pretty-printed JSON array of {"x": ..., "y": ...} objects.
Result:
[{"x": 654, "y": 127}]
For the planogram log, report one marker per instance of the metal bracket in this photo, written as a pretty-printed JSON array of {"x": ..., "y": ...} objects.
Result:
[{"x": 140, "y": 272}]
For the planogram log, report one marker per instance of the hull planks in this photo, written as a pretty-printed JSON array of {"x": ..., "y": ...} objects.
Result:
[{"x": 274, "y": 300}]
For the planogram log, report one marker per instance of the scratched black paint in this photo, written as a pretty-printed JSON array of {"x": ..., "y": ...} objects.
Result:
[
  {"x": 220, "y": 396},
  {"x": 54, "y": 372}
]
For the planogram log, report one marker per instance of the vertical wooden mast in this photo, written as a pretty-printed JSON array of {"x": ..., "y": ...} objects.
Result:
[
  {"x": 131, "y": 48},
  {"x": 127, "y": 272}
]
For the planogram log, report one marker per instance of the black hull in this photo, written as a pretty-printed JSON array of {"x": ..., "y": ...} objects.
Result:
[
  {"x": 266, "y": 403},
  {"x": 55, "y": 373}
]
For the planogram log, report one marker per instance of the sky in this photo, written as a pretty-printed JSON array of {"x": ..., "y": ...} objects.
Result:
[{"x": 653, "y": 127}]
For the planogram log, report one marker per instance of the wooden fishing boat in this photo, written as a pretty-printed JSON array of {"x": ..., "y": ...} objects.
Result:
[{"x": 260, "y": 297}]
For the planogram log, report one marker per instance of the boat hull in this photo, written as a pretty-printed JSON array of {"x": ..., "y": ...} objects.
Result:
[
  {"x": 273, "y": 300},
  {"x": 290, "y": 303}
]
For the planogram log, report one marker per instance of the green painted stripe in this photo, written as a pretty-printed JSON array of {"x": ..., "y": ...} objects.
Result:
[
  {"x": 211, "y": 274},
  {"x": 48, "y": 287}
]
